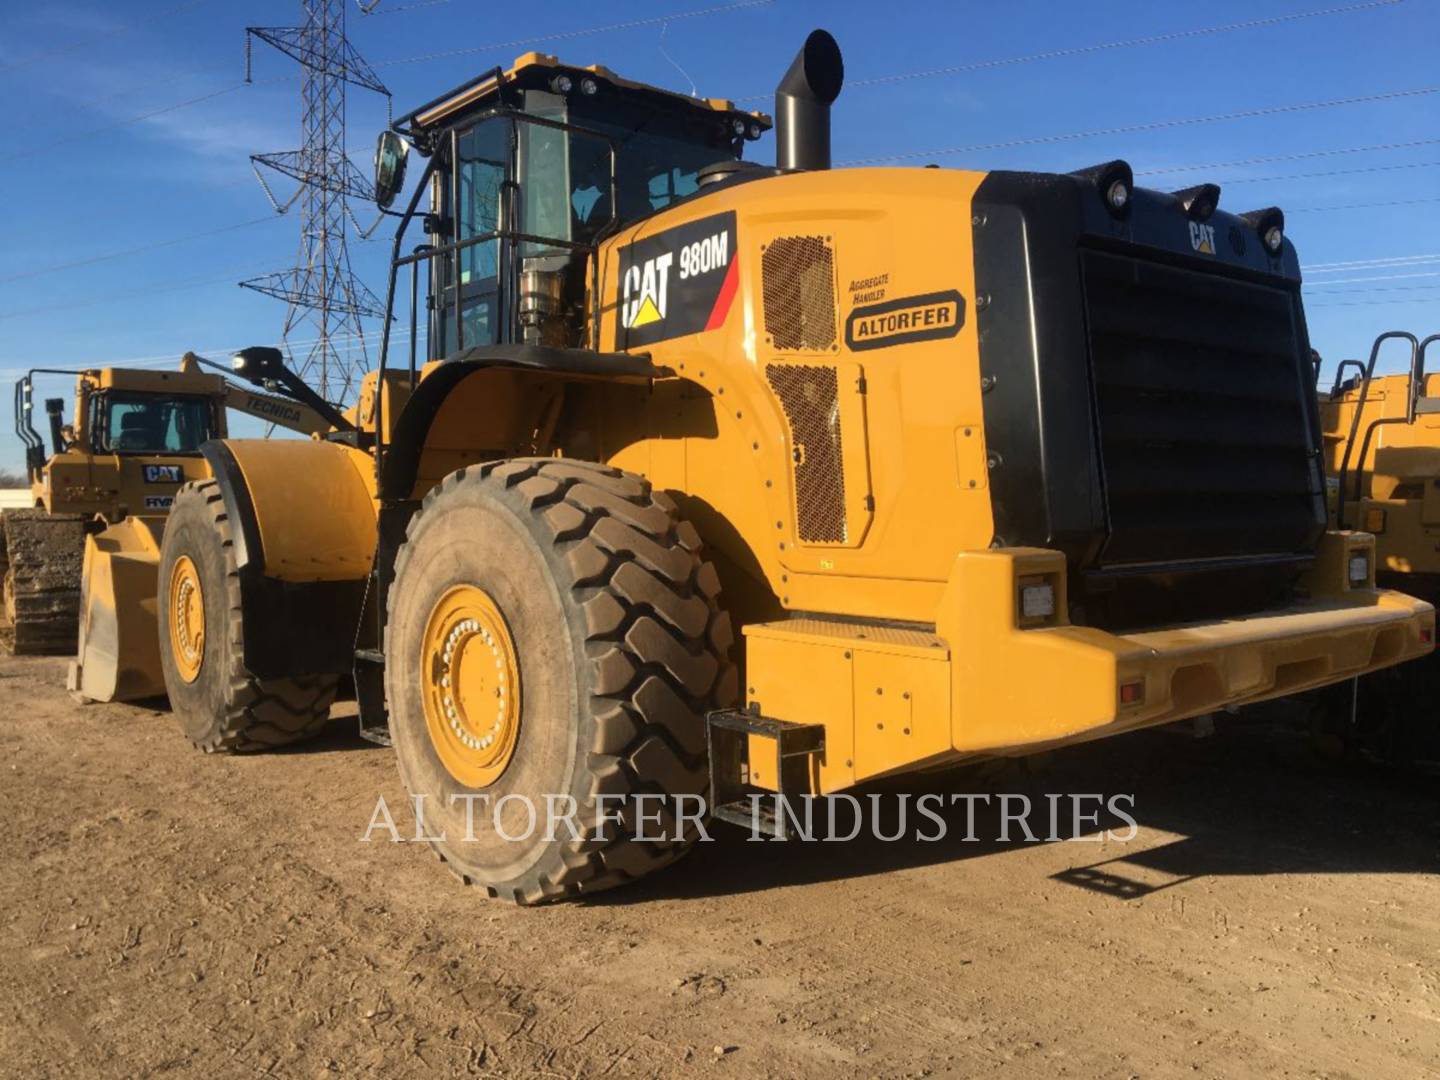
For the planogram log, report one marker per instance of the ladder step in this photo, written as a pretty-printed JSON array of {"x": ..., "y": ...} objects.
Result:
[
  {"x": 370, "y": 656},
  {"x": 797, "y": 746}
]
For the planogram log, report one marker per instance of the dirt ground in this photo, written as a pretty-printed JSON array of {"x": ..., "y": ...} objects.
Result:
[{"x": 164, "y": 913}]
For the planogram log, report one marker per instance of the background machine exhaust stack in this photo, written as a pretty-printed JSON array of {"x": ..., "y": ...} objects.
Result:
[{"x": 802, "y": 104}]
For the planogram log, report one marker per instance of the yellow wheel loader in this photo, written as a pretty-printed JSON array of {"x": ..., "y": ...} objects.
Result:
[
  {"x": 1382, "y": 443},
  {"x": 973, "y": 464},
  {"x": 74, "y": 567}
]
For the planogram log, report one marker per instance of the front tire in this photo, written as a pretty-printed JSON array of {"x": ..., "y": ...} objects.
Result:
[
  {"x": 553, "y": 631},
  {"x": 221, "y": 706}
]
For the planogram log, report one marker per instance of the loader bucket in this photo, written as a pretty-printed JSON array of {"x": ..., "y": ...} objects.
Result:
[{"x": 119, "y": 654}]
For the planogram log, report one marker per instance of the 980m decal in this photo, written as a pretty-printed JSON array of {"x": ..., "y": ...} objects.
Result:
[
  {"x": 677, "y": 282},
  {"x": 907, "y": 319}
]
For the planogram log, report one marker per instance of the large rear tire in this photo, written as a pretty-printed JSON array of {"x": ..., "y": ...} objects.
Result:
[
  {"x": 554, "y": 631},
  {"x": 221, "y": 706}
]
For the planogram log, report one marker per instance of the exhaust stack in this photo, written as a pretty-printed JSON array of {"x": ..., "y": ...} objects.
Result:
[{"x": 802, "y": 104}]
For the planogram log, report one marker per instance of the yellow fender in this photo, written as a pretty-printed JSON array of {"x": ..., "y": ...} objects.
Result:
[
  {"x": 303, "y": 523},
  {"x": 119, "y": 653}
]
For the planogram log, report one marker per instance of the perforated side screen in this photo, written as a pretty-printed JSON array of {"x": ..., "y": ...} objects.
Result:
[
  {"x": 797, "y": 281},
  {"x": 809, "y": 394}
]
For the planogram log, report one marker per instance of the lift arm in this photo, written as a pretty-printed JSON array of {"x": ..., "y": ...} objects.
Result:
[{"x": 281, "y": 411}]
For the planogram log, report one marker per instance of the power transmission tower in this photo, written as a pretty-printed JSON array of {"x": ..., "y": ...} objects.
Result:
[{"x": 320, "y": 289}]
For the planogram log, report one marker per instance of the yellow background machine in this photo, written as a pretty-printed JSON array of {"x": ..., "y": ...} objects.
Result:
[
  {"x": 967, "y": 459},
  {"x": 1382, "y": 444},
  {"x": 79, "y": 569}
]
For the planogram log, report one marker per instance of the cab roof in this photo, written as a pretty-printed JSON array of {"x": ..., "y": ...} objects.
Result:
[{"x": 534, "y": 70}]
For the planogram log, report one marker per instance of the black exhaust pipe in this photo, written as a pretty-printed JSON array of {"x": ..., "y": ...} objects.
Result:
[{"x": 802, "y": 104}]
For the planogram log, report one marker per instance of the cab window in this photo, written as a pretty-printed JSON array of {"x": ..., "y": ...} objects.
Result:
[{"x": 136, "y": 424}]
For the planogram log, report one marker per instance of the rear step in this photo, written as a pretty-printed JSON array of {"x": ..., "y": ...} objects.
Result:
[{"x": 733, "y": 797}]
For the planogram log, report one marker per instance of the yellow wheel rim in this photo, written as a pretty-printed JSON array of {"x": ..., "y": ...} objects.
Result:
[
  {"x": 470, "y": 683},
  {"x": 187, "y": 618}
]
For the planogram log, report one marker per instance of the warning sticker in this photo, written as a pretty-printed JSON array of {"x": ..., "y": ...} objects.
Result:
[
  {"x": 907, "y": 319},
  {"x": 677, "y": 282}
]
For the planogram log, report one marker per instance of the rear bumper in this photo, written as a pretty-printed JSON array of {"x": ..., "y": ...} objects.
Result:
[
  {"x": 889, "y": 699},
  {"x": 1025, "y": 688}
]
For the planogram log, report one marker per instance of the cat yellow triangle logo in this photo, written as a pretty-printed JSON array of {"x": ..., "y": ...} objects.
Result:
[{"x": 647, "y": 314}]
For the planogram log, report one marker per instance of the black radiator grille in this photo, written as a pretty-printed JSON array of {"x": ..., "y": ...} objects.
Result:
[{"x": 1205, "y": 437}]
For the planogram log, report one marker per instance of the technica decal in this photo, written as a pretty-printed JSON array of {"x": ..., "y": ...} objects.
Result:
[
  {"x": 906, "y": 319},
  {"x": 272, "y": 409},
  {"x": 677, "y": 282},
  {"x": 163, "y": 474}
]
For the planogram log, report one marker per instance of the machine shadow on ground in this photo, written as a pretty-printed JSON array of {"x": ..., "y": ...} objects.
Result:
[{"x": 1250, "y": 801}]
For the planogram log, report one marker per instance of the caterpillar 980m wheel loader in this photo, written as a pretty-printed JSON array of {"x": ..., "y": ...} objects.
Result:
[
  {"x": 100, "y": 501},
  {"x": 1382, "y": 442},
  {"x": 974, "y": 463}
]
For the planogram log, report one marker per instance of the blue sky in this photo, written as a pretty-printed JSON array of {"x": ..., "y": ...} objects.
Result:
[{"x": 103, "y": 157}]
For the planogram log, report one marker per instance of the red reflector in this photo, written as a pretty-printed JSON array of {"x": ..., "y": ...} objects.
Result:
[
  {"x": 1131, "y": 693},
  {"x": 1426, "y": 634}
]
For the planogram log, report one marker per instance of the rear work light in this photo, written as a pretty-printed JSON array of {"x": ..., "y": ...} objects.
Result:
[
  {"x": 1359, "y": 569},
  {"x": 1037, "y": 601}
]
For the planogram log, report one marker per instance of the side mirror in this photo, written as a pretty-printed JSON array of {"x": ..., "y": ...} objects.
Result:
[{"x": 391, "y": 153}]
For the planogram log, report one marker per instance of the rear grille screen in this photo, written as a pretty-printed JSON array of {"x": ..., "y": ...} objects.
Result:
[
  {"x": 810, "y": 396},
  {"x": 1206, "y": 446},
  {"x": 797, "y": 275}
]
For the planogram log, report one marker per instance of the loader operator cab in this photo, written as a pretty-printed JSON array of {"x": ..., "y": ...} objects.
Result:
[
  {"x": 112, "y": 417},
  {"x": 529, "y": 169}
]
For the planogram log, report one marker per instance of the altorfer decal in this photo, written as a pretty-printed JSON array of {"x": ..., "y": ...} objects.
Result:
[{"x": 906, "y": 319}]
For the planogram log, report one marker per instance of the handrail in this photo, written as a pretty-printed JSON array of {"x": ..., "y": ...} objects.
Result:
[
  {"x": 1420, "y": 366},
  {"x": 508, "y": 238},
  {"x": 25, "y": 409},
  {"x": 1340, "y": 374},
  {"x": 1408, "y": 418}
]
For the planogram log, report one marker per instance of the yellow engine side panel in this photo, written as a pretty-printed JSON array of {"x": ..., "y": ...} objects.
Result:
[{"x": 878, "y": 393}]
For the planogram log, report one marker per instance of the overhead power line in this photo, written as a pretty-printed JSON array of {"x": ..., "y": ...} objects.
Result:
[
  {"x": 1233, "y": 180},
  {"x": 91, "y": 301},
  {"x": 1357, "y": 206},
  {"x": 1389, "y": 260},
  {"x": 1151, "y": 125},
  {"x": 155, "y": 246},
  {"x": 374, "y": 12},
  {"x": 1382, "y": 289},
  {"x": 566, "y": 35},
  {"x": 1374, "y": 303},
  {"x": 1365, "y": 280},
  {"x": 33, "y": 150},
  {"x": 36, "y": 58},
  {"x": 1270, "y": 159},
  {"x": 1101, "y": 47}
]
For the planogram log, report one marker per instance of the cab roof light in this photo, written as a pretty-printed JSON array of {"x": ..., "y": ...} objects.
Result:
[
  {"x": 1115, "y": 181},
  {"x": 1200, "y": 201},
  {"x": 1269, "y": 225}
]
